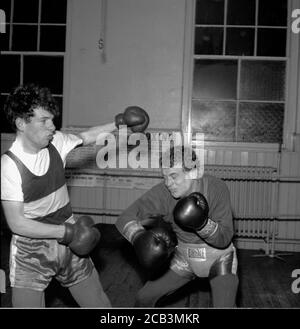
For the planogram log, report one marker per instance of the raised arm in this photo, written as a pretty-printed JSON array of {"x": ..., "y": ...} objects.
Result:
[
  {"x": 133, "y": 117},
  {"x": 95, "y": 134}
]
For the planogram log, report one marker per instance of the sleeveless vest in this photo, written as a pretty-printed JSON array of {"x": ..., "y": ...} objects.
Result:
[{"x": 37, "y": 189}]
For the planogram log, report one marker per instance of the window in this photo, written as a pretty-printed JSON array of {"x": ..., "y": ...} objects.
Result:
[
  {"x": 33, "y": 48},
  {"x": 239, "y": 70}
]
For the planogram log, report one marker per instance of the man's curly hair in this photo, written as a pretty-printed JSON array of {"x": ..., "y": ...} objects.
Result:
[{"x": 24, "y": 99}]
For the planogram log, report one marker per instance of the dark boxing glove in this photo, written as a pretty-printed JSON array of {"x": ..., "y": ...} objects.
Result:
[
  {"x": 134, "y": 117},
  {"x": 153, "y": 246},
  {"x": 156, "y": 223},
  {"x": 191, "y": 213},
  {"x": 82, "y": 236}
]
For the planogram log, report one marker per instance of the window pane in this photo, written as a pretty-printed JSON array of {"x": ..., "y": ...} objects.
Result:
[
  {"x": 52, "y": 38},
  {"x": 241, "y": 12},
  {"x": 215, "y": 79},
  {"x": 5, "y": 126},
  {"x": 260, "y": 122},
  {"x": 4, "y": 38},
  {"x": 240, "y": 41},
  {"x": 272, "y": 12},
  {"x": 271, "y": 42},
  {"x": 208, "y": 41},
  {"x": 215, "y": 119},
  {"x": 46, "y": 71},
  {"x": 24, "y": 37},
  {"x": 5, "y": 5},
  {"x": 10, "y": 69},
  {"x": 262, "y": 80},
  {"x": 54, "y": 11},
  {"x": 210, "y": 12},
  {"x": 26, "y": 11}
]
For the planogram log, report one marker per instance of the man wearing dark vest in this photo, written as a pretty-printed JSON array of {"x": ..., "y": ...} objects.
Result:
[
  {"x": 198, "y": 211},
  {"x": 47, "y": 240}
]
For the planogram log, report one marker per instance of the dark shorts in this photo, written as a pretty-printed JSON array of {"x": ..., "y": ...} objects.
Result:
[{"x": 34, "y": 262}]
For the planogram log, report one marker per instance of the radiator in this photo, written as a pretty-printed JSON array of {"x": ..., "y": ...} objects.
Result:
[{"x": 253, "y": 193}]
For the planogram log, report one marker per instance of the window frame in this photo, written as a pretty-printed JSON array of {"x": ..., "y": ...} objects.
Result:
[
  {"x": 23, "y": 53},
  {"x": 292, "y": 80}
]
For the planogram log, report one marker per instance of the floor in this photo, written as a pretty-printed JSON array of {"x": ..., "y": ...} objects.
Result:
[{"x": 264, "y": 282}]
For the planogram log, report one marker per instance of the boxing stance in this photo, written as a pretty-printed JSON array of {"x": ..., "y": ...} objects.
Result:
[
  {"x": 199, "y": 211},
  {"x": 47, "y": 241}
]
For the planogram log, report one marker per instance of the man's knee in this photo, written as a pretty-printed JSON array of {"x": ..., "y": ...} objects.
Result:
[
  {"x": 27, "y": 298},
  {"x": 90, "y": 293},
  {"x": 156, "y": 289},
  {"x": 224, "y": 290},
  {"x": 144, "y": 298}
]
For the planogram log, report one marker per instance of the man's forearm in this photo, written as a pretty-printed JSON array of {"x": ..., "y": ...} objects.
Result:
[
  {"x": 220, "y": 237},
  {"x": 19, "y": 224},
  {"x": 97, "y": 133},
  {"x": 123, "y": 220},
  {"x": 34, "y": 229}
]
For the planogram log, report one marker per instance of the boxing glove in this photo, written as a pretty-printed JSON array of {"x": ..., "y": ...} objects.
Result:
[
  {"x": 153, "y": 247},
  {"x": 157, "y": 223},
  {"x": 134, "y": 117},
  {"x": 81, "y": 237},
  {"x": 191, "y": 212}
]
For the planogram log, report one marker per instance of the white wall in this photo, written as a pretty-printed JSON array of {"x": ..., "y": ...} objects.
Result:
[{"x": 144, "y": 56}]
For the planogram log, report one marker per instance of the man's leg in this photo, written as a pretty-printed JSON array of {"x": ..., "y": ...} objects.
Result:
[
  {"x": 152, "y": 291},
  {"x": 23, "y": 297},
  {"x": 89, "y": 292},
  {"x": 224, "y": 290}
]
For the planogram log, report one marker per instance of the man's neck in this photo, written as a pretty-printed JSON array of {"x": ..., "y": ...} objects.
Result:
[{"x": 26, "y": 145}]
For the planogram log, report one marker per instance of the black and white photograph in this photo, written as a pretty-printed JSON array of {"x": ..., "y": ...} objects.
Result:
[{"x": 150, "y": 158}]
